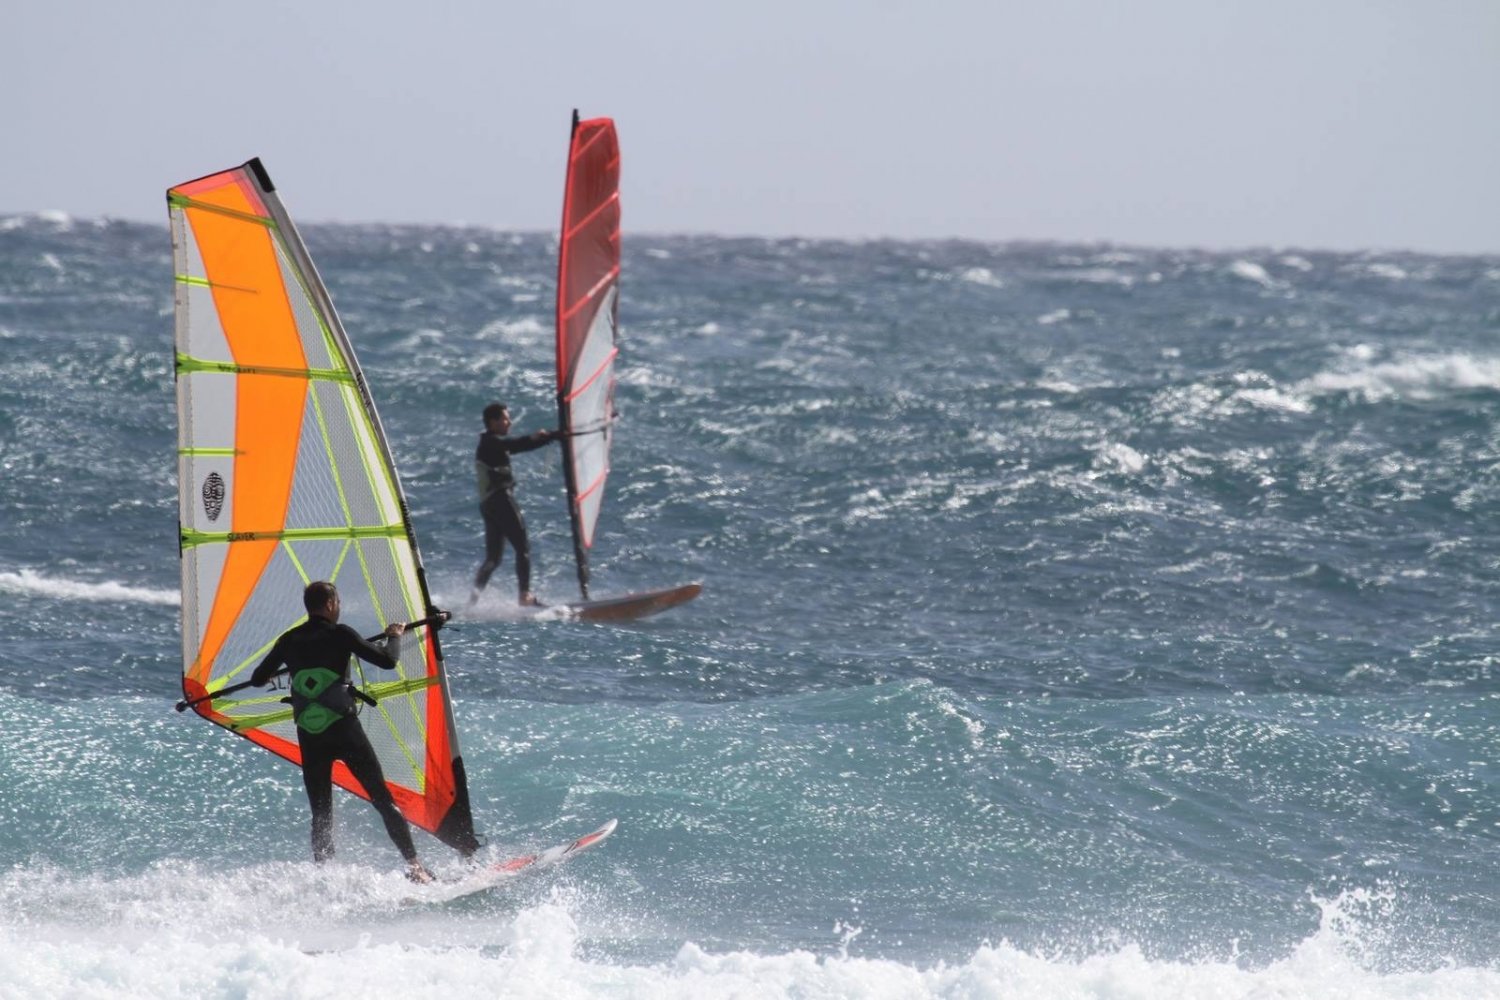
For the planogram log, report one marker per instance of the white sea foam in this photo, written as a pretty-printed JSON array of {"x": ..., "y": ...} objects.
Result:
[
  {"x": 1117, "y": 457},
  {"x": 1274, "y": 399},
  {"x": 1416, "y": 377},
  {"x": 521, "y": 330},
  {"x": 1251, "y": 271},
  {"x": 1055, "y": 316},
  {"x": 26, "y": 581},
  {"x": 543, "y": 951},
  {"x": 425, "y": 337},
  {"x": 981, "y": 276},
  {"x": 55, "y": 217},
  {"x": 497, "y": 603},
  {"x": 1100, "y": 276},
  {"x": 1388, "y": 271}
]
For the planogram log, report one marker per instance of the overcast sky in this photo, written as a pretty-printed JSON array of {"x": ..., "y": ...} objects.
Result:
[{"x": 1339, "y": 124}]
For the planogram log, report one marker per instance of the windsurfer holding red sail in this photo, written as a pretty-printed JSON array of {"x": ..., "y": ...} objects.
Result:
[{"x": 497, "y": 499}]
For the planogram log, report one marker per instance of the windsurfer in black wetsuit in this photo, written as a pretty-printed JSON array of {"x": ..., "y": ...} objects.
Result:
[
  {"x": 316, "y": 655},
  {"x": 497, "y": 499}
]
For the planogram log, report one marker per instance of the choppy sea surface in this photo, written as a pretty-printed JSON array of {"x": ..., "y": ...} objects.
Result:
[{"x": 1079, "y": 621}]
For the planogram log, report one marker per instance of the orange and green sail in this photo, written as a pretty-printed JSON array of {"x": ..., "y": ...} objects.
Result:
[{"x": 285, "y": 477}]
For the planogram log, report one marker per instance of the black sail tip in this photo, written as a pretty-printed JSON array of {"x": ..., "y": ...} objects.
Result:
[{"x": 259, "y": 169}]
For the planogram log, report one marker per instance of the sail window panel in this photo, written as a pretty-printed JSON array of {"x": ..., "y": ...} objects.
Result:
[
  {"x": 315, "y": 500},
  {"x": 399, "y": 739},
  {"x": 595, "y": 370},
  {"x": 309, "y": 327},
  {"x": 200, "y": 334},
  {"x": 186, "y": 256},
  {"x": 323, "y": 559},
  {"x": 206, "y": 503},
  {"x": 206, "y": 460},
  {"x": 588, "y": 515},
  {"x": 331, "y": 487},
  {"x": 381, "y": 480},
  {"x": 202, "y": 568},
  {"x": 384, "y": 590},
  {"x": 590, "y": 426},
  {"x": 207, "y": 418},
  {"x": 272, "y": 607},
  {"x": 397, "y": 731},
  {"x": 590, "y": 468},
  {"x": 387, "y": 587},
  {"x": 354, "y": 502}
]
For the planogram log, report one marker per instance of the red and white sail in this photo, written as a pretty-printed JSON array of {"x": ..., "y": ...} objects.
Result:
[{"x": 588, "y": 276}]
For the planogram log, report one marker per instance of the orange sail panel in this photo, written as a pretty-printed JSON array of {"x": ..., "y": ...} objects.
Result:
[
  {"x": 588, "y": 275},
  {"x": 285, "y": 477}
]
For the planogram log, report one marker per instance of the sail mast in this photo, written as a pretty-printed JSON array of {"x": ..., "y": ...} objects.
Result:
[{"x": 570, "y": 483}]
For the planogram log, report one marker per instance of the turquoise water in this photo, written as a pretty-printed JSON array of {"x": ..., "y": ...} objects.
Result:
[{"x": 1078, "y": 621}]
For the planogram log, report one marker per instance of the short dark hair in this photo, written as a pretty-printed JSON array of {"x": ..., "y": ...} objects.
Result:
[
  {"x": 494, "y": 410},
  {"x": 317, "y": 595}
]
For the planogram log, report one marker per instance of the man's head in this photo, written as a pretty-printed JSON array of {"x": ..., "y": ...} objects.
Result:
[
  {"x": 321, "y": 598},
  {"x": 496, "y": 418}
]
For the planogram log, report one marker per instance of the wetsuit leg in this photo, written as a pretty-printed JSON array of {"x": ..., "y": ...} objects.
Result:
[
  {"x": 356, "y": 752},
  {"x": 494, "y": 542},
  {"x": 503, "y": 523},
  {"x": 317, "y": 778},
  {"x": 514, "y": 526}
]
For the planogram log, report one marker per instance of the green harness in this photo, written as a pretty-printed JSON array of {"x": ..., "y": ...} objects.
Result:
[{"x": 320, "y": 697}]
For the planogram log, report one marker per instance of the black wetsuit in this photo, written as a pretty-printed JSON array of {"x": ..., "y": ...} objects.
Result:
[
  {"x": 497, "y": 504},
  {"x": 317, "y": 643}
]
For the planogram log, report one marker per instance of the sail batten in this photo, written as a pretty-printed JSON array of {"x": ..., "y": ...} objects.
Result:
[
  {"x": 285, "y": 476},
  {"x": 604, "y": 369}
]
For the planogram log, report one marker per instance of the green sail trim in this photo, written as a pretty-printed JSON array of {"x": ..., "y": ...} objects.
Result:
[
  {"x": 379, "y": 691},
  {"x": 241, "y": 723},
  {"x": 183, "y": 201},
  {"x": 187, "y": 365},
  {"x": 192, "y": 537}
]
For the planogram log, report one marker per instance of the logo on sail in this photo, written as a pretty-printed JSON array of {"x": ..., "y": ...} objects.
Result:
[{"x": 213, "y": 496}]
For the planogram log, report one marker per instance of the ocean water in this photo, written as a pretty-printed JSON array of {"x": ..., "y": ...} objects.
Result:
[{"x": 1079, "y": 621}]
